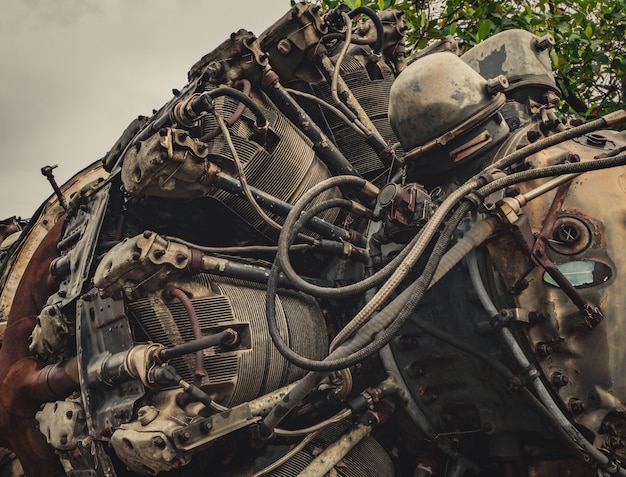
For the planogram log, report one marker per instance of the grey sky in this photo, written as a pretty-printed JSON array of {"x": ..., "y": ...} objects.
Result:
[{"x": 74, "y": 73}]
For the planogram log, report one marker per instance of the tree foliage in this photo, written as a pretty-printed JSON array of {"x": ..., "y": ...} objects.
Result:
[{"x": 589, "y": 58}]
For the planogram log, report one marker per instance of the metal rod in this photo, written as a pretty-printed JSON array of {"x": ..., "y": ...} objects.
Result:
[
  {"x": 199, "y": 344},
  {"x": 199, "y": 371},
  {"x": 253, "y": 273},
  {"x": 323, "y": 146},
  {"x": 272, "y": 204}
]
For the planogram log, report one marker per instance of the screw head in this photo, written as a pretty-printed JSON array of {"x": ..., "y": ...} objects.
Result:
[
  {"x": 544, "y": 350},
  {"x": 559, "y": 379},
  {"x": 533, "y": 135},
  {"x": 567, "y": 233},
  {"x": 577, "y": 406}
]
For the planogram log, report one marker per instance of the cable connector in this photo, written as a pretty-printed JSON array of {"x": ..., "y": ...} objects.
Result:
[
  {"x": 502, "y": 319},
  {"x": 525, "y": 376},
  {"x": 475, "y": 199}
]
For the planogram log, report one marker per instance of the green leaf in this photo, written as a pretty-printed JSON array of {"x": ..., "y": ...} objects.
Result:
[
  {"x": 484, "y": 29},
  {"x": 579, "y": 18},
  {"x": 422, "y": 19},
  {"x": 352, "y": 4},
  {"x": 589, "y": 33}
]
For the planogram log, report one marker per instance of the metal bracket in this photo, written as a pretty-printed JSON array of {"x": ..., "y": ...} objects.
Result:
[
  {"x": 102, "y": 330},
  {"x": 203, "y": 432},
  {"x": 536, "y": 247}
]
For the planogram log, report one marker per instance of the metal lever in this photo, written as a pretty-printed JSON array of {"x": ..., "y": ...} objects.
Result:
[{"x": 47, "y": 172}]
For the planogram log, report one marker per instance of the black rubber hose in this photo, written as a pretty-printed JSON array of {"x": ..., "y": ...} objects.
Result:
[
  {"x": 351, "y": 352},
  {"x": 419, "y": 287},
  {"x": 290, "y": 231},
  {"x": 341, "y": 358},
  {"x": 204, "y": 103},
  {"x": 292, "y": 226},
  {"x": 380, "y": 32}
]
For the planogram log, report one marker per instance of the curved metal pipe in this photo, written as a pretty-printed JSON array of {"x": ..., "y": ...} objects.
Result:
[
  {"x": 245, "y": 88},
  {"x": 378, "y": 24},
  {"x": 606, "y": 462},
  {"x": 204, "y": 103},
  {"x": 55, "y": 381},
  {"x": 199, "y": 371}
]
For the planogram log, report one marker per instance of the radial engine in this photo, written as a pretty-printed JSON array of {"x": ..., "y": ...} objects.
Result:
[{"x": 324, "y": 256}]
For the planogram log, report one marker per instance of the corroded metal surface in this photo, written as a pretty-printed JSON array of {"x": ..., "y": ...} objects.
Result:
[{"x": 170, "y": 308}]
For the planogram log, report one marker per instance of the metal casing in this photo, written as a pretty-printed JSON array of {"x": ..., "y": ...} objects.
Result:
[
  {"x": 584, "y": 362},
  {"x": 437, "y": 104},
  {"x": 434, "y": 95},
  {"x": 519, "y": 55}
]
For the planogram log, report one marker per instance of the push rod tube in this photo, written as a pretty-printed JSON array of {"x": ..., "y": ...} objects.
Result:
[
  {"x": 323, "y": 146},
  {"x": 272, "y": 204}
]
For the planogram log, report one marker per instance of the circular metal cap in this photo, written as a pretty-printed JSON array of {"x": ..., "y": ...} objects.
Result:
[
  {"x": 519, "y": 55},
  {"x": 389, "y": 194},
  {"x": 437, "y": 98}
]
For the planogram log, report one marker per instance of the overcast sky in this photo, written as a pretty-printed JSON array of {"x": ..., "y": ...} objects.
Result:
[{"x": 74, "y": 73}]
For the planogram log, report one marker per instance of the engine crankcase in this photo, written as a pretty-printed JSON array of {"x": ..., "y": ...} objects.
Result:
[{"x": 576, "y": 336}]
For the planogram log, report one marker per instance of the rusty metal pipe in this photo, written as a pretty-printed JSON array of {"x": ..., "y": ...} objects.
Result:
[
  {"x": 199, "y": 371},
  {"x": 54, "y": 382},
  {"x": 212, "y": 134}
]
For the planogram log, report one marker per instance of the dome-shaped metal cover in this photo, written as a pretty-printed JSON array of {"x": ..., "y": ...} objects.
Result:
[
  {"x": 519, "y": 55},
  {"x": 438, "y": 98}
]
